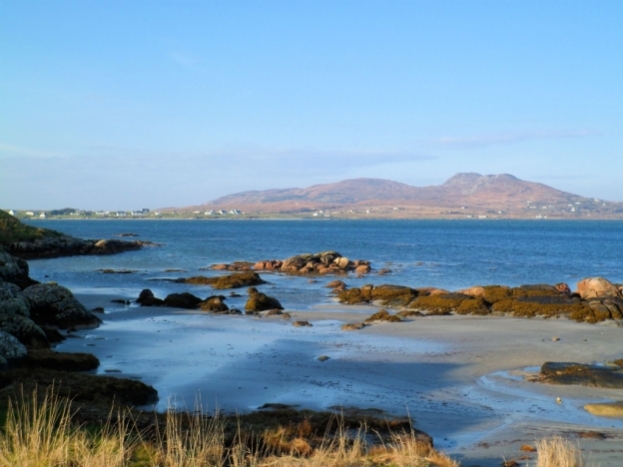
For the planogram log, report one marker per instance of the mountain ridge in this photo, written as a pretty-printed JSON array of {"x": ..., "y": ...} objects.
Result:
[{"x": 464, "y": 194}]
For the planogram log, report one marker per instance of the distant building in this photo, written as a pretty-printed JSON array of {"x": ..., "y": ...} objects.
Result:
[
  {"x": 42, "y": 215},
  {"x": 11, "y": 212},
  {"x": 30, "y": 213}
]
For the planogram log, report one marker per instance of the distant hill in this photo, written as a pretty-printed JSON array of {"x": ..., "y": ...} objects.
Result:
[{"x": 465, "y": 194}]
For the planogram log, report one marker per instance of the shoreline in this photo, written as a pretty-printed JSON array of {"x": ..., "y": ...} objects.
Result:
[{"x": 445, "y": 371}]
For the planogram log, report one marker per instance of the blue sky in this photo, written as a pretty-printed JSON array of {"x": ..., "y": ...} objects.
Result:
[{"x": 131, "y": 104}]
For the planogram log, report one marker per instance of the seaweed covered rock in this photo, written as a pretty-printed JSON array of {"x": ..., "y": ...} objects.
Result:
[
  {"x": 547, "y": 306},
  {"x": 595, "y": 287},
  {"x": 11, "y": 349},
  {"x": 52, "y": 304},
  {"x": 473, "y": 306},
  {"x": 215, "y": 304},
  {"x": 259, "y": 301},
  {"x": 383, "y": 315},
  {"x": 24, "y": 329},
  {"x": 386, "y": 295},
  {"x": 569, "y": 373},
  {"x": 232, "y": 281},
  {"x": 147, "y": 298},
  {"x": 439, "y": 304},
  {"x": 182, "y": 300}
]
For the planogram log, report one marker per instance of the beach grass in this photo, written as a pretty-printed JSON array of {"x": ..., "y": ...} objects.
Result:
[{"x": 40, "y": 431}]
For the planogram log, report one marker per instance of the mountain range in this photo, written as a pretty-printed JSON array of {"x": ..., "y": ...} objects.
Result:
[{"x": 463, "y": 195}]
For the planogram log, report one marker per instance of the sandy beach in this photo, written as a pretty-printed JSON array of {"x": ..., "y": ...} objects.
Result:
[{"x": 461, "y": 378}]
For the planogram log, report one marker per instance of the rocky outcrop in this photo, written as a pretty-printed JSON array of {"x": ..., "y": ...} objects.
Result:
[
  {"x": 64, "y": 361},
  {"x": 606, "y": 409},
  {"x": 13, "y": 301},
  {"x": 597, "y": 287},
  {"x": 383, "y": 315},
  {"x": 259, "y": 301},
  {"x": 11, "y": 349},
  {"x": 568, "y": 373},
  {"x": 52, "y": 304},
  {"x": 24, "y": 329},
  {"x": 64, "y": 245},
  {"x": 323, "y": 263},
  {"x": 14, "y": 270},
  {"x": 231, "y": 281}
]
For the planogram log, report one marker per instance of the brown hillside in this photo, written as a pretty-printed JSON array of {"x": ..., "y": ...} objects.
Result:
[{"x": 464, "y": 194}]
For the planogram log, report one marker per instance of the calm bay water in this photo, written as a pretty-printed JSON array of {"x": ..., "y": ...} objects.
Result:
[{"x": 445, "y": 254}]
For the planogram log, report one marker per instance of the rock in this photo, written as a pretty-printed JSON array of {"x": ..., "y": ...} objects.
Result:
[
  {"x": 527, "y": 448},
  {"x": 215, "y": 303},
  {"x": 323, "y": 358},
  {"x": 592, "y": 287},
  {"x": 232, "y": 281},
  {"x": 555, "y": 339},
  {"x": 476, "y": 291},
  {"x": 12, "y": 301},
  {"x": 342, "y": 262},
  {"x": 65, "y": 361},
  {"x": 147, "y": 298},
  {"x": 383, "y": 315},
  {"x": 563, "y": 288},
  {"x": 52, "y": 304},
  {"x": 546, "y": 305},
  {"x": 353, "y": 326},
  {"x": 441, "y": 304},
  {"x": 362, "y": 269},
  {"x": 182, "y": 300},
  {"x": 14, "y": 270},
  {"x": 300, "y": 324},
  {"x": 606, "y": 409},
  {"x": 473, "y": 306},
  {"x": 259, "y": 301},
  {"x": 25, "y": 330},
  {"x": 568, "y": 373},
  {"x": 11, "y": 349},
  {"x": 274, "y": 312},
  {"x": 387, "y": 295}
]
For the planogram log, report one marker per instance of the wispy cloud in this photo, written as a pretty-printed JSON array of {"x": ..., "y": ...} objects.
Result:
[
  {"x": 494, "y": 139},
  {"x": 11, "y": 150}
]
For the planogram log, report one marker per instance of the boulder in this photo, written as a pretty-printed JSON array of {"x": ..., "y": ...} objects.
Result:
[
  {"x": 301, "y": 324},
  {"x": 25, "y": 330},
  {"x": 362, "y": 269},
  {"x": 11, "y": 349},
  {"x": 12, "y": 301},
  {"x": 259, "y": 301},
  {"x": 569, "y": 373},
  {"x": 215, "y": 303},
  {"x": 52, "y": 304},
  {"x": 476, "y": 291},
  {"x": 473, "y": 306},
  {"x": 592, "y": 287},
  {"x": 147, "y": 298},
  {"x": 182, "y": 300},
  {"x": 353, "y": 326},
  {"x": 547, "y": 305},
  {"x": 14, "y": 270}
]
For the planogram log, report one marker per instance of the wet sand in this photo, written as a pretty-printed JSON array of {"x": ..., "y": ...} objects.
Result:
[{"x": 460, "y": 378}]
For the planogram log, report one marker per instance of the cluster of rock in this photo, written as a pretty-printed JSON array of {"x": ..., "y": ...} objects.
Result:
[
  {"x": 570, "y": 373},
  {"x": 256, "y": 302},
  {"x": 31, "y": 313},
  {"x": 595, "y": 300},
  {"x": 231, "y": 281},
  {"x": 65, "y": 245},
  {"x": 323, "y": 263}
]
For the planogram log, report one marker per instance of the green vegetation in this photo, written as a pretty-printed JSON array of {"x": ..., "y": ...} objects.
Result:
[{"x": 12, "y": 230}]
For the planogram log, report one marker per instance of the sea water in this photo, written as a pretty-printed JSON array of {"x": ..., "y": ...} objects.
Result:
[{"x": 420, "y": 253}]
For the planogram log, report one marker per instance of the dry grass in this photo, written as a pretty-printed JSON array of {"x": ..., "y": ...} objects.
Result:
[
  {"x": 40, "y": 432},
  {"x": 558, "y": 452}
]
